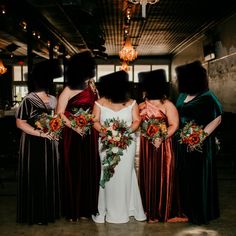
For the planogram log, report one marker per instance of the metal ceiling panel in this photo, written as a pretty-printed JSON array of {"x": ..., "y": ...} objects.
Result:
[{"x": 99, "y": 25}]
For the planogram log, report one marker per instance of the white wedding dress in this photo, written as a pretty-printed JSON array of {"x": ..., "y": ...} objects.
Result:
[{"x": 120, "y": 198}]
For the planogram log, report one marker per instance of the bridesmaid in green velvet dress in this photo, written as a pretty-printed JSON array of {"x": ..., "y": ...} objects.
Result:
[{"x": 197, "y": 169}]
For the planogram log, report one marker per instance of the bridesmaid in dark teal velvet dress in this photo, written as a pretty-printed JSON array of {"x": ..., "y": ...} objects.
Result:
[{"x": 197, "y": 170}]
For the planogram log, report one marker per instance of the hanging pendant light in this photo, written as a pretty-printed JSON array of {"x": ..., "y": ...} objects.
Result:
[
  {"x": 143, "y": 3},
  {"x": 128, "y": 53},
  {"x": 124, "y": 66}
]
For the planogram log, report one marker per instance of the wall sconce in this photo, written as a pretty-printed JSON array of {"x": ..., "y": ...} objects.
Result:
[{"x": 3, "y": 69}]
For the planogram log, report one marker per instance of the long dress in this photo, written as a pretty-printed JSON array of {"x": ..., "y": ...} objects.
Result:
[
  {"x": 38, "y": 192},
  {"x": 197, "y": 170},
  {"x": 156, "y": 174},
  {"x": 121, "y": 198},
  {"x": 81, "y": 164}
]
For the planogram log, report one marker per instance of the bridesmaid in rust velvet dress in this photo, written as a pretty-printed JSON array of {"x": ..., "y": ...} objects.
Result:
[
  {"x": 81, "y": 162},
  {"x": 157, "y": 164}
]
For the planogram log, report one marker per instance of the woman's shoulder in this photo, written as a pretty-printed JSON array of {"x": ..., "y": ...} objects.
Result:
[
  {"x": 169, "y": 104},
  {"x": 52, "y": 98},
  {"x": 141, "y": 105},
  {"x": 65, "y": 90},
  {"x": 101, "y": 101},
  {"x": 68, "y": 93},
  {"x": 131, "y": 101},
  {"x": 29, "y": 97}
]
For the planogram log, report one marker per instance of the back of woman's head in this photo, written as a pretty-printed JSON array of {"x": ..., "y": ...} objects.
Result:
[
  {"x": 81, "y": 67},
  {"x": 115, "y": 86},
  {"x": 154, "y": 84},
  {"x": 192, "y": 78},
  {"x": 42, "y": 75}
]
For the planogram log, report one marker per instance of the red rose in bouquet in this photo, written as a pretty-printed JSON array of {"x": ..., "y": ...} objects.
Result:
[
  {"x": 153, "y": 128},
  {"x": 193, "y": 136},
  {"x": 50, "y": 124},
  {"x": 82, "y": 118}
]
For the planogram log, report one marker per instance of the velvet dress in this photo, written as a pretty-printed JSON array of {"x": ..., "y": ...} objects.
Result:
[
  {"x": 156, "y": 174},
  {"x": 197, "y": 170},
  {"x": 38, "y": 192},
  {"x": 81, "y": 164}
]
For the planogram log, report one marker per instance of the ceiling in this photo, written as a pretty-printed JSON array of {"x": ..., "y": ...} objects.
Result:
[{"x": 72, "y": 25}]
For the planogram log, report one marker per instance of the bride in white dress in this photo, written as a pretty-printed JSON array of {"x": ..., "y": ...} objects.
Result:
[{"x": 120, "y": 198}]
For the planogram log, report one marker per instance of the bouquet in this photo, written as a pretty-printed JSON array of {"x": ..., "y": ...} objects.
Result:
[
  {"x": 82, "y": 118},
  {"x": 193, "y": 136},
  {"x": 116, "y": 139},
  {"x": 153, "y": 128},
  {"x": 50, "y": 124}
]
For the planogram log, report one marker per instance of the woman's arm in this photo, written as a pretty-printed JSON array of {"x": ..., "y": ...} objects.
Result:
[
  {"x": 213, "y": 125},
  {"x": 173, "y": 118},
  {"x": 28, "y": 129},
  {"x": 61, "y": 108},
  {"x": 61, "y": 105},
  {"x": 173, "y": 122},
  {"x": 96, "y": 112},
  {"x": 136, "y": 119}
]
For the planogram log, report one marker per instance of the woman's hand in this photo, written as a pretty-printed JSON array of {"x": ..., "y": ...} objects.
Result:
[
  {"x": 48, "y": 135},
  {"x": 157, "y": 142},
  {"x": 102, "y": 131},
  {"x": 79, "y": 130}
]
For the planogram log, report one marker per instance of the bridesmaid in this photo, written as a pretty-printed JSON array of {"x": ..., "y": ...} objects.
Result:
[
  {"x": 197, "y": 170},
  {"x": 81, "y": 163},
  {"x": 156, "y": 160},
  {"x": 38, "y": 192}
]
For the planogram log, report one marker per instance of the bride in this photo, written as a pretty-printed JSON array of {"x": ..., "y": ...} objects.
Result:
[{"x": 120, "y": 197}]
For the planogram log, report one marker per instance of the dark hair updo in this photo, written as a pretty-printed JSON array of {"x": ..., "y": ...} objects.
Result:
[
  {"x": 42, "y": 75},
  {"x": 115, "y": 86},
  {"x": 192, "y": 78},
  {"x": 81, "y": 67},
  {"x": 154, "y": 84}
]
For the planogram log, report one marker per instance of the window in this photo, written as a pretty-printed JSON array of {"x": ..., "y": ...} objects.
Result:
[
  {"x": 19, "y": 88},
  {"x": 140, "y": 68},
  {"x": 165, "y": 67},
  {"x": 19, "y": 92},
  {"x": 130, "y": 72},
  {"x": 104, "y": 70},
  {"x": 20, "y": 73},
  {"x": 60, "y": 79}
]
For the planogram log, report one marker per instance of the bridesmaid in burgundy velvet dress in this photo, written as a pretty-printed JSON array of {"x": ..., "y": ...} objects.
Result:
[
  {"x": 81, "y": 162},
  {"x": 156, "y": 160}
]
